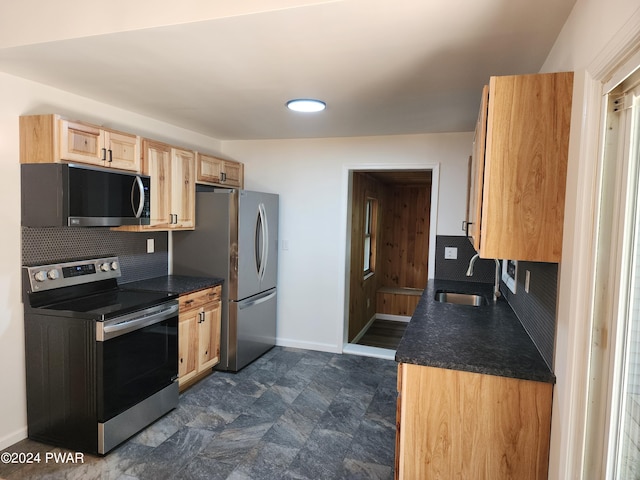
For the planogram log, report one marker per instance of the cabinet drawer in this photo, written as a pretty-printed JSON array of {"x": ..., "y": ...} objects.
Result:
[{"x": 199, "y": 298}]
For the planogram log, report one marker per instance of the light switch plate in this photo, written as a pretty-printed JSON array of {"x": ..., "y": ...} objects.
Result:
[
  {"x": 150, "y": 245},
  {"x": 451, "y": 253}
]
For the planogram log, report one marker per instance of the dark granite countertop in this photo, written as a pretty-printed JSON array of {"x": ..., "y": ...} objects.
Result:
[
  {"x": 180, "y": 284},
  {"x": 486, "y": 339}
]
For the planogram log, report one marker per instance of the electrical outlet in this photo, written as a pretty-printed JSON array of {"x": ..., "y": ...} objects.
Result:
[
  {"x": 151, "y": 245},
  {"x": 451, "y": 253},
  {"x": 527, "y": 281}
]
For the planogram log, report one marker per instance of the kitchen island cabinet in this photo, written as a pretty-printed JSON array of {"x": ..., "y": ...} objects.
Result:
[
  {"x": 474, "y": 393},
  {"x": 519, "y": 167}
]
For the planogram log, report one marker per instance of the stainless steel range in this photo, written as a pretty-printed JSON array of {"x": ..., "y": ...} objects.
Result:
[{"x": 101, "y": 360}]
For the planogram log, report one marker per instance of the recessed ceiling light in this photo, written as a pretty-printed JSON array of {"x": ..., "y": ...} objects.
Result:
[{"x": 307, "y": 105}]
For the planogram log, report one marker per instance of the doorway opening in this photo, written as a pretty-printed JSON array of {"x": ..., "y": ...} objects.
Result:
[{"x": 388, "y": 250}]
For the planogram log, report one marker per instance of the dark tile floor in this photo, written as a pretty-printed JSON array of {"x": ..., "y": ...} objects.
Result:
[{"x": 292, "y": 414}]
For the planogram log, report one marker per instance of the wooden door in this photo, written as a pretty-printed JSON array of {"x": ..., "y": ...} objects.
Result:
[
  {"x": 233, "y": 174},
  {"x": 475, "y": 193},
  {"x": 183, "y": 187},
  {"x": 209, "y": 169},
  {"x": 81, "y": 143},
  {"x": 187, "y": 345},
  {"x": 209, "y": 336},
  {"x": 123, "y": 151},
  {"x": 157, "y": 164},
  {"x": 458, "y": 424}
]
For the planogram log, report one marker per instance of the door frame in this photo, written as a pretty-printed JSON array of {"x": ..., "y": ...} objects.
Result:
[
  {"x": 577, "y": 269},
  {"x": 347, "y": 182}
]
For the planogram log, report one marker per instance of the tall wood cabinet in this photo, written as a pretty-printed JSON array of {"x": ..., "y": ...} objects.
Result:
[
  {"x": 173, "y": 187},
  {"x": 198, "y": 334},
  {"x": 52, "y": 139},
  {"x": 454, "y": 424},
  {"x": 519, "y": 167}
]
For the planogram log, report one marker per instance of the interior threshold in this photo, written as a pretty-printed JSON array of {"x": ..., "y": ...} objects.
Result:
[{"x": 367, "y": 351}]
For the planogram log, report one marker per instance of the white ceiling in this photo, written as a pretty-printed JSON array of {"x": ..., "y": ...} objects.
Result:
[{"x": 382, "y": 66}]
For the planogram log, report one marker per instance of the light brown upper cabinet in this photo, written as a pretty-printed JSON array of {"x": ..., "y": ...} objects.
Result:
[
  {"x": 173, "y": 187},
  {"x": 52, "y": 139},
  {"x": 216, "y": 171},
  {"x": 519, "y": 167}
]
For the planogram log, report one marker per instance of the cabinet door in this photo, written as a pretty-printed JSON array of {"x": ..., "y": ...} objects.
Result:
[
  {"x": 157, "y": 164},
  {"x": 183, "y": 188},
  {"x": 123, "y": 151},
  {"x": 468, "y": 425},
  {"x": 81, "y": 143},
  {"x": 209, "y": 336},
  {"x": 187, "y": 345},
  {"x": 525, "y": 171},
  {"x": 232, "y": 175},
  {"x": 474, "y": 209},
  {"x": 209, "y": 169}
]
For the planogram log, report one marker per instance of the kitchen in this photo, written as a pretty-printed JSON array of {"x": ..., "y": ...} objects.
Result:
[{"x": 292, "y": 167}]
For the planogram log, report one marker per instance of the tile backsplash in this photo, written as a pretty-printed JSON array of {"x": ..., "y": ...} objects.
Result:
[
  {"x": 51, "y": 245},
  {"x": 446, "y": 269},
  {"x": 536, "y": 309}
]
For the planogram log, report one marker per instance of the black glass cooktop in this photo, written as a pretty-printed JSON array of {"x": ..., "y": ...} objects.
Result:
[{"x": 102, "y": 306}]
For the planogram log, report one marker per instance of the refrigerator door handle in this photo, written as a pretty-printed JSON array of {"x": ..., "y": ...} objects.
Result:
[
  {"x": 261, "y": 241},
  {"x": 251, "y": 302},
  {"x": 265, "y": 240}
]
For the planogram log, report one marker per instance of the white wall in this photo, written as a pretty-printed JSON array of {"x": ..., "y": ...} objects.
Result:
[
  {"x": 311, "y": 178},
  {"x": 310, "y": 175},
  {"x": 594, "y": 27},
  {"x": 19, "y": 97}
]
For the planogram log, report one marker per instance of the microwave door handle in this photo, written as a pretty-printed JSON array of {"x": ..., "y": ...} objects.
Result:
[{"x": 138, "y": 183}]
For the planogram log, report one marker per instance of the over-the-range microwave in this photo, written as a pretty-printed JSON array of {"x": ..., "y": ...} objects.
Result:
[{"x": 60, "y": 194}]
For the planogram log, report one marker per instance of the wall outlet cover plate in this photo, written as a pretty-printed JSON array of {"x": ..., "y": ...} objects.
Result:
[{"x": 510, "y": 274}]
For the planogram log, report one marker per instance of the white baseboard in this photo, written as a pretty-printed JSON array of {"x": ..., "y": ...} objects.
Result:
[
  {"x": 320, "y": 347},
  {"x": 395, "y": 318},
  {"x": 360, "y": 334},
  {"x": 15, "y": 437},
  {"x": 366, "y": 351}
]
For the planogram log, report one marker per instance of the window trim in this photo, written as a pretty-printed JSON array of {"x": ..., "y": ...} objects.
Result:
[{"x": 370, "y": 235}]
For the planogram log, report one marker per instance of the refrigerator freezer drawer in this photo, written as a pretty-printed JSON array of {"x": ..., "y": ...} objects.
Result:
[{"x": 255, "y": 328}]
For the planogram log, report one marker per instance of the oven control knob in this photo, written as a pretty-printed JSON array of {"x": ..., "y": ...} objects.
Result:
[
  {"x": 40, "y": 276},
  {"x": 104, "y": 267},
  {"x": 53, "y": 274},
  {"x": 114, "y": 265}
]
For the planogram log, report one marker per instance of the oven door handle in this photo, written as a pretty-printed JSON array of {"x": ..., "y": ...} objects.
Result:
[{"x": 129, "y": 323}]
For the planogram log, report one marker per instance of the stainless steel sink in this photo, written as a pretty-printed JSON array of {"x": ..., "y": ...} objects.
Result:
[{"x": 461, "y": 298}]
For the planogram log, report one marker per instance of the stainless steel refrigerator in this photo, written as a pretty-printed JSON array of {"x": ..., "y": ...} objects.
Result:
[{"x": 236, "y": 238}]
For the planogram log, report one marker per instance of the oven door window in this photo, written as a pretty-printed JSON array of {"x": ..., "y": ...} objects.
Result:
[{"x": 134, "y": 366}]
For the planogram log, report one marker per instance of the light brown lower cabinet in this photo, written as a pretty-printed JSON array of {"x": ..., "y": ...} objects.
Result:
[
  {"x": 463, "y": 425},
  {"x": 198, "y": 335}
]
